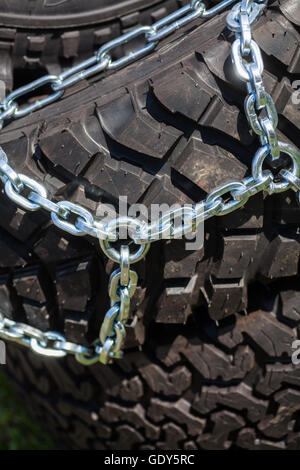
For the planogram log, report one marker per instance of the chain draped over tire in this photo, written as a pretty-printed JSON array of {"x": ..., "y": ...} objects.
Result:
[{"x": 262, "y": 117}]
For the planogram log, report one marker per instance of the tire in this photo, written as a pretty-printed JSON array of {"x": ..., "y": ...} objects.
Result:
[
  {"x": 185, "y": 382},
  {"x": 47, "y": 36}
]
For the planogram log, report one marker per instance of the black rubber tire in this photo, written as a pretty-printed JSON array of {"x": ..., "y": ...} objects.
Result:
[
  {"x": 40, "y": 36},
  {"x": 185, "y": 383}
]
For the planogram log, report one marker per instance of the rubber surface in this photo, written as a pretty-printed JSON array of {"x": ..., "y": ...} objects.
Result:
[
  {"x": 185, "y": 382},
  {"x": 40, "y": 36}
]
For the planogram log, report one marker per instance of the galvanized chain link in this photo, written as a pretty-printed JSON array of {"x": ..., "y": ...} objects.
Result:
[
  {"x": 49, "y": 343},
  {"x": 103, "y": 59},
  {"x": 76, "y": 220},
  {"x": 260, "y": 108},
  {"x": 122, "y": 286}
]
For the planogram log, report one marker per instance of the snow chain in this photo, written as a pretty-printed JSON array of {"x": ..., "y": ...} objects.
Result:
[{"x": 263, "y": 119}]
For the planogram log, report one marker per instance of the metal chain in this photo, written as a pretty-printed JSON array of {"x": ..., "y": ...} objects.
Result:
[
  {"x": 122, "y": 286},
  {"x": 30, "y": 195}
]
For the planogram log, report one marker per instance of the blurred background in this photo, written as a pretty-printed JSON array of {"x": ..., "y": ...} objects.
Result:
[{"x": 18, "y": 431}]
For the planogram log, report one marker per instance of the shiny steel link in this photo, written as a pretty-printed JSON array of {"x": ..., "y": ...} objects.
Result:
[
  {"x": 48, "y": 205},
  {"x": 103, "y": 60},
  {"x": 80, "y": 72},
  {"x": 252, "y": 113},
  {"x": 263, "y": 153},
  {"x": 226, "y": 188},
  {"x": 291, "y": 178},
  {"x": 20, "y": 200},
  {"x": 256, "y": 86},
  {"x": 51, "y": 344},
  {"x": 177, "y": 20},
  {"x": 7, "y": 173},
  {"x": 10, "y": 99},
  {"x": 258, "y": 100},
  {"x": 122, "y": 286},
  {"x": 245, "y": 27},
  {"x": 71, "y": 208},
  {"x": 72, "y": 218},
  {"x": 255, "y": 9},
  {"x": 104, "y": 51},
  {"x": 241, "y": 66}
]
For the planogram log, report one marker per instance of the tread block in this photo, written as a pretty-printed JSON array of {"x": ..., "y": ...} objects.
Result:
[
  {"x": 214, "y": 364},
  {"x": 86, "y": 413},
  {"x": 278, "y": 38},
  {"x": 237, "y": 397},
  {"x": 175, "y": 302},
  {"x": 290, "y": 10},
  {"x": 74, "y": 285},
  {"x": 272, "y": 337},
  {"x": 225, "y": 422},
  {"x": 70, "y": 44},
  {"x": 5, "y": 302},
  {"x": 105, "y": 34},
  {"x": 36, "y": 43},
  {"x": 161, "y": 382},
  {"x": 76, "y": 326},
  {"x": 199, "y": 99},
  {"x": 179, "y": 412},
  {"x": 226, "y": 297},
  {"x": 16, "y": 221},
  {"x": 161, "y": 191},
  {"x": 113, "y": 413},
  {"x": 283, "y": 257},
  {"x": 64, "y": 147},
  {"x": 207, "y": 359},
  {"x": 128, "y": 437},
  {"x": 249, "y": 217},
  {"x": 237, "y": 256},
  {"x": 278, "y": 425},
  {"x": 276, "y": 375},
  {"x": 131, "y": 389},
  {"x": 173, "y": 436},
  {"x": 194, "y": 96},
  {"x": 11, "y": 253},
  {"x": 35, "y": 290},
  {"x": 172, "y": 383},
  {"x": 290, "y": 305},
  {"x": 205, "y": 165},
  {"x": 286, "y": 209},
  {"x": 125, "y": 124},
  {"x": 54, "y": 246},
  {"x": 174, "y": 267},
  {"x": 38, "y": 315},
  {"x": 115, "y": 178},
  {"x": 30, "y": 284},
  {"x": 247, "y": 439}
]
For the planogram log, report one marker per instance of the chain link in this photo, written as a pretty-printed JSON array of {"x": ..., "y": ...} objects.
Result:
[
  {"x": 50, "y": 343},
  {"x": 76, "y": 220},
  {"x": 103, "y": 59},
  {"x": 122, "y": 286},
  {"x": 248, "y": 63}
]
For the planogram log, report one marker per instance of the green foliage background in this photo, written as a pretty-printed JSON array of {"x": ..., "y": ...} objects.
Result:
[{"x": 18, "y": 431}]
